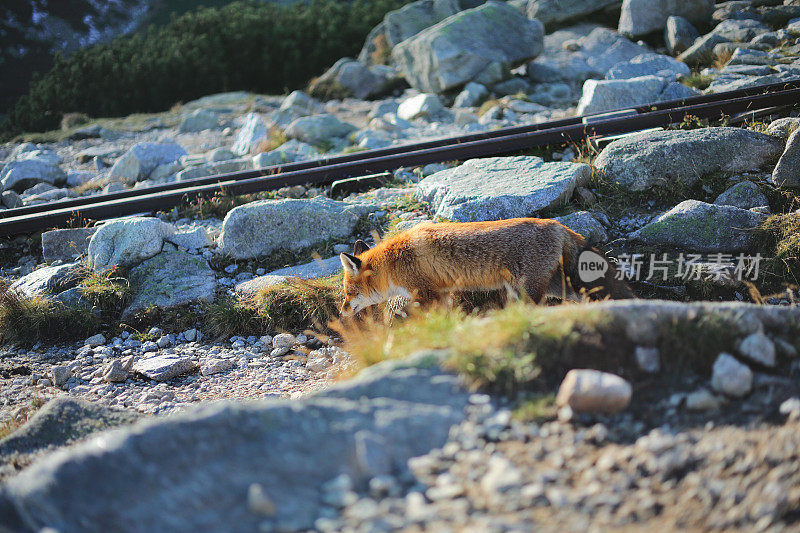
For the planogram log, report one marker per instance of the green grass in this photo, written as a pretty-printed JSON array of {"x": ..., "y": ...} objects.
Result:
[
  {"x": 109, "y": 292},
  {"x": 697, "y": 81},
  {"x": 779, "y": 242}
]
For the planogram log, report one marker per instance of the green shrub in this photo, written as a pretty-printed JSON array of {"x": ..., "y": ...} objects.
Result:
[{"x": 245, "y": 45}]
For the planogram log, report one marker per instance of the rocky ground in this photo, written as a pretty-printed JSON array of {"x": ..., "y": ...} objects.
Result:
[{"x": 716, "y": 449}]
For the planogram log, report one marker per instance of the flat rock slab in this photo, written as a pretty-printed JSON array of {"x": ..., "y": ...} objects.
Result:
[
  {"x": 171, "y": 279},
  {"x": 701, "y": 227},
  {"x": 259, "y": 228},
  {"x": 314, "y": 269},
  {"x": 66, "y": 244},
  {"x": 498, "y": 188},
  {"x": 164, "y": 367},
  {"x": 192, "y": 471},
  {"x": 663, "y": 158}
]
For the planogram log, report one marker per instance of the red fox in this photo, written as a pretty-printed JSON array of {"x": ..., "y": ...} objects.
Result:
[{"x": 429, "y": 260}]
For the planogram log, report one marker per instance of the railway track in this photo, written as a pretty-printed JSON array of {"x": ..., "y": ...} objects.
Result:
[{"x": 742, "y": 103}]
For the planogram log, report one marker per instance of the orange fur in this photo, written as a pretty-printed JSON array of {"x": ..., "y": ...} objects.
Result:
[{"x": 430, "y": 260}]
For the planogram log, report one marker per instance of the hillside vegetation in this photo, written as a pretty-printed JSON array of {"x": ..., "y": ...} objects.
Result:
[{"x": 242, "y": 46}]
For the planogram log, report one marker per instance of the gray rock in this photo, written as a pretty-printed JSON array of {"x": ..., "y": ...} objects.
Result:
[
  {"x": 60, "y": 375},
  {"x": 584, "y": 223},
  {"x": 143, "y": 158},
  {"x": 648, "y": 65},
  {"x": 11, "y": 199},
  {"x": 171, "y": 279},
  {"x": 126, "y": 242},
  {"x": 219, "y": 154},
  {"x": 748, "y": 56},
  {"x": 701, "y": 227},
  {"x": 758, "y": 348},
  {"x": 600, "y": 96},
  {"x": 66, "y": 244},
  {"x": 740, "y": 31},
  {"x": 359, "y": 80},
  {"x": 702, "y": 49},
  {"x": 95, "y": 340},
  {"x": 315, "y": 269},
  {"x": 61, "y": 421},
  {"x": 199, "y": 120},
  {"x": 592, "y": 391},
  {"x": 783, "y": 127},
  {"x": 679, "y": 34},
  {"x": 73, "y": 298},
  {"x": 216, "y": 366},
  {"x": 660, "y": 158},
  {"x": 409, "y": 20},
  {"x": 640, "y": 17},
  {"x": 744, "y": 195},
  {"x": 555, "y": 12},
  {"x": 731, "y": 377},
  {"x": 596, "y": 53},
  {"x": 734, "y": 82},
  {"x": 302, "y": 105},
  {"x": 648, "y": 359},
  {"x": 427, "y": 106},
  {"x": 258, "y": 228},
  {"x": 48, "y": 280},
  {"x": 461, "y": 47},
  {"x": 22, "y": 174},
  {"x": 500, "y": 187},
  {"x": 289, "y": 152},
  {"x": 787, "y": 171},
  {"x": 211, "y": 169},
  {"x": 677, "y": 91},
  {"x": 408, "y": 406},
  {"x": 115, "y": 371},
  {"x": 317, "y": 129},
  {"x": 472, "y": 95},
  {"x": 703, "y": 400},
  {"x": 515, "y": 85},
  {"x": 76, "y": 178},
  {"x": 250, "y": 135},
  {"x": 190, "y": 239},
  {"x": 164, "y": 367}
]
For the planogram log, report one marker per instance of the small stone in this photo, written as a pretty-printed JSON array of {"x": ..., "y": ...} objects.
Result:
[
  {"x": 731, "y": 377},
  {"x": 586, "y": 390},
  {"x": 758, "y": 348},
  {"x": 164, "y": 341},
  {"x": 115, "y": 372},
  {"x": 791, "y": 408},
  {"x": 190, "y": 335},
  {"x": 284, "y": 340},
  {"x": 215, "y": 366},
  {"x": 164, "y": 367},
  {"x": 258, "y": 502},
  {"x": 703, "y": 400},
  {"x": 95, "y": 340},
  {"x": 61, "y": 375},
  {"x": 648, "y": 359},
  {"x": 149, "y": 346},
  {"x": 501, "y": 476}
]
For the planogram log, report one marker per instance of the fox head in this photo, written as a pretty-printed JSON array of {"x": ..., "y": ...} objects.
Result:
[{"x": 359, "y": 277}]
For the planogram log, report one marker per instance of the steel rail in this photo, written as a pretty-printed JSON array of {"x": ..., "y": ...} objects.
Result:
[
  {"x": 147, "y": 200},
  {"x": 408, "y": 148}
]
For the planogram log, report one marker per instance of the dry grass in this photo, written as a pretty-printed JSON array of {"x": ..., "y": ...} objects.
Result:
[
  {"x": 9, "y": 427},
  {"x": 108, "y": 292},
  {"x": 382, "y": 52},
  {"x": 275, "y": 138},
  {"x": 722, "y": 59}
]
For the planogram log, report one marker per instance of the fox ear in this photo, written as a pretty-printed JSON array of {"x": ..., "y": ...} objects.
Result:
[
  {"x": 360, "y": 247},
  {"x": 350, "y": 263}
]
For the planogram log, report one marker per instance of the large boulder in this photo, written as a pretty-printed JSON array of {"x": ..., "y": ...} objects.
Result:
[
  {"x": 193, "y": 471},
  {"x": 462, "y": 47},
  {"x": 25, "y": 172},
  {"x": 661, "y": 158},
  {"x": 250, "y": 135},
  {"x": 787, "y": 171},
  {"x": 679, "y": 34},
  {"x": 66, "y": 244},
  {"x": 406, "y": 22},
  {"x": 171, "y": 279},
  {"x": 354, "y": 78},
  {"x": 319, "y": 129},
  {"x": 497, "y": 188},
  {"x": 212, "y": 169},
  {"x": 555, "y": 12},
  {"x": 740, "y": 31},
  {"x": 127, "y": 242},
  {"x": 640, "y": 17},
  {"x": 701, "y": 227},
  {"x": 289, "y": 152},
  {"x": 48, "y": 280},
  {"x": 744, "y": 195},
  {"x": 258, "y": 228},
  {"x": 587, "y": 225},
  {"x": 143, "y": 158},
  {"x": 315, "y": 269}
]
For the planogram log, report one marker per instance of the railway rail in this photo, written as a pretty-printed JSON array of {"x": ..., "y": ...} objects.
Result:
[{"x": 743, "y": 102}]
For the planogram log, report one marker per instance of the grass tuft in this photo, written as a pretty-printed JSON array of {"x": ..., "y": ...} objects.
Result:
[
  {"x": 109, "y": 292},
  {"x": 275, "y": 138},
  {"x": 698, "y": 81}
]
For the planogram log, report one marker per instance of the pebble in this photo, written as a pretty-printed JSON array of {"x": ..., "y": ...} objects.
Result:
[
  {"x": 731, "y": 377},
  {"x": 592, "y": 391}
]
